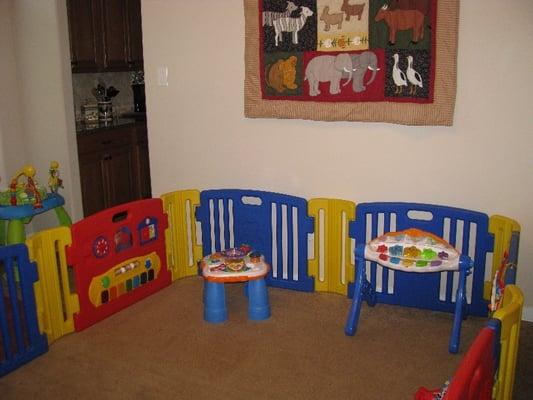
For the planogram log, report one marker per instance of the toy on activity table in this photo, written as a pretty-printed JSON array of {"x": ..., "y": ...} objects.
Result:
[
  {"x": 237, "y": 264},
  {"x": 411, "y": 250},
  {"x": 25, "y": 199}
]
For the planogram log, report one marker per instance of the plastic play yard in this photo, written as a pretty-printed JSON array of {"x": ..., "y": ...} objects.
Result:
[{"x": 63, "y": 280}]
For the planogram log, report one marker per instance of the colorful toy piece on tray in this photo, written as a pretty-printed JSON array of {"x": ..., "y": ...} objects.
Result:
[
  {"x": 413, "y": 250},
  {"x": 234, "y": 265}
]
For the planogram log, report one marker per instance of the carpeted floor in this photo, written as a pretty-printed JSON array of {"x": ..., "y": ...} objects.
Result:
[{"x": 161, "y": 348}]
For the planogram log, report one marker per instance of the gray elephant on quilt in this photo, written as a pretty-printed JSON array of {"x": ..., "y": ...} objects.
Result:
[
  {"x": 328, "y": 69},
  {"x": 367, "y": 60}
]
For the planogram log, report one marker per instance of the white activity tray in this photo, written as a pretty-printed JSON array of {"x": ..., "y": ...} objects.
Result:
[{"x": 413, "y": 250}]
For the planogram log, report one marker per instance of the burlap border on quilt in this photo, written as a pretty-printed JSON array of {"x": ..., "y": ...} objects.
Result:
[{"x": 440, "y": 112}]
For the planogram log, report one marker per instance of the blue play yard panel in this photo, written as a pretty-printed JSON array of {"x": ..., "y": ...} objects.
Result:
[
  {"x": 274, "y": 224},
  {"x": 466, "y": 230},
  {"x": 21, "y": 340}
]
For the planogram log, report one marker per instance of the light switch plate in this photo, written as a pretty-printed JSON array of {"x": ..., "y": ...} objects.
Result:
[{"x": 162, "y": 76}]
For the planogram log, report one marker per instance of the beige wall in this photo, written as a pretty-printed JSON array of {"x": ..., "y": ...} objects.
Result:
[
  {"x": 200, "y": 139},
  {"x": 38, "y": 123},
  {"x": 11, "y": 140}
]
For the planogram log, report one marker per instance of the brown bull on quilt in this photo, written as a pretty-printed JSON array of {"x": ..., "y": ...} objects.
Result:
[{"x": 400, "y": 20}]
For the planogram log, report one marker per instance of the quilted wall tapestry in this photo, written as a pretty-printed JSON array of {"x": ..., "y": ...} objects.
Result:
[{"x": 351, "y": 60}]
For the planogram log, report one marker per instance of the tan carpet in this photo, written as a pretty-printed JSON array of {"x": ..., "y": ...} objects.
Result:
[{"x": 161, "y": 348}]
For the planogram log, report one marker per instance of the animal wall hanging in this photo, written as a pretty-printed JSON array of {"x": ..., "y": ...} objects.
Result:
[{"x": 352, "y": 60}]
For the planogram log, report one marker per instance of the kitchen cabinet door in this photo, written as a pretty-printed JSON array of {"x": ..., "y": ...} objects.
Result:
[
  {"x": 105, "y": 35},
  {"x": 114, "y": 21},
  {"x": 135, "y": 39},
  {"x": 114, "y": 167},
  {"x": 85, "y": 32},
  {"x": 117, "y": 166},
  {"x": 93, "y": 185},
  {"x": 141, "y": 161}
]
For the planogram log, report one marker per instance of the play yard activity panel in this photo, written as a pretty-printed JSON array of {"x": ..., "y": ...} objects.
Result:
[
  {"x": 118, "y": 257},
  {"x": 276, "y": 224}
]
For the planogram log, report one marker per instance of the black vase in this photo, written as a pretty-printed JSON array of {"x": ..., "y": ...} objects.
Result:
[{"x": 139, "y": 100}]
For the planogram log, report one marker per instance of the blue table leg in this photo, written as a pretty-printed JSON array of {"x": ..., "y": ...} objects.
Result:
[
  {"x": 258, "y": 304},
  {"x": 355, "y": 309},
  {"x": 214, "y": 302},
  {"x": 460, "y": 305}
]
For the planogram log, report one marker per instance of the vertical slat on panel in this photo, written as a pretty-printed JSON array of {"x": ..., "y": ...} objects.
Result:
[
  {"x": 295, "y": 236},
  {"x": 216, "y": 225},
  {"x": 274, "y": 255},
  {"x": 283, "y": 243},
  {"x": 385, "y": 271},
  {"x": 279, "y": 242},
  {"x": 12, "y": 291},
  {"x": 226, "y": 227},
  {"x": 220, "y": 224},
  {"x": 472, "y": 234},
  {"x": 7, "y": 339},
  {"x": 231, "y": 224},
  {"x": 375, "y": 231},
  {"x": 321, "y": 241},
  {"x": 6, "y": 354},
  {"x": 289, "y": 242},
  {"x": 342, "y": 240},
  {"x": 20, "y": 336},
  {"x": 459, "y": 245},
  {"x": 212, "y": 228},
  {"x": 390, "y": 286}
]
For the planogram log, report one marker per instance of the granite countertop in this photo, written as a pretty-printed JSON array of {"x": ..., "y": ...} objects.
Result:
[{"x": 82, "y": 127}]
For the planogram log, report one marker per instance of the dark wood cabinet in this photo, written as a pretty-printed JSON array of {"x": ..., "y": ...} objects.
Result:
[
  {"x": 135, "y": 37},
  {"x": 115, "y": 33},
  {"x": 142, "y": 162},
  {"x": 105, "y": 35},
  {"x": 85, "y": 31},
  {"x": 93, "y": 187},
  {"x": 114, "y": 167}
]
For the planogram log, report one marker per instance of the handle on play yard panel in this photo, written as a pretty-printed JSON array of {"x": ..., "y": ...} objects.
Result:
[{"x": 119, "y": 216}]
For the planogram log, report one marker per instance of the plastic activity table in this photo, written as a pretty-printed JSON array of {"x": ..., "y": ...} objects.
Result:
[{"x": 234, "y": 265}]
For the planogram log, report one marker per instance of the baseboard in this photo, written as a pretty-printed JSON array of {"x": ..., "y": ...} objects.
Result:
[{"x": 527, "y": 314}]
